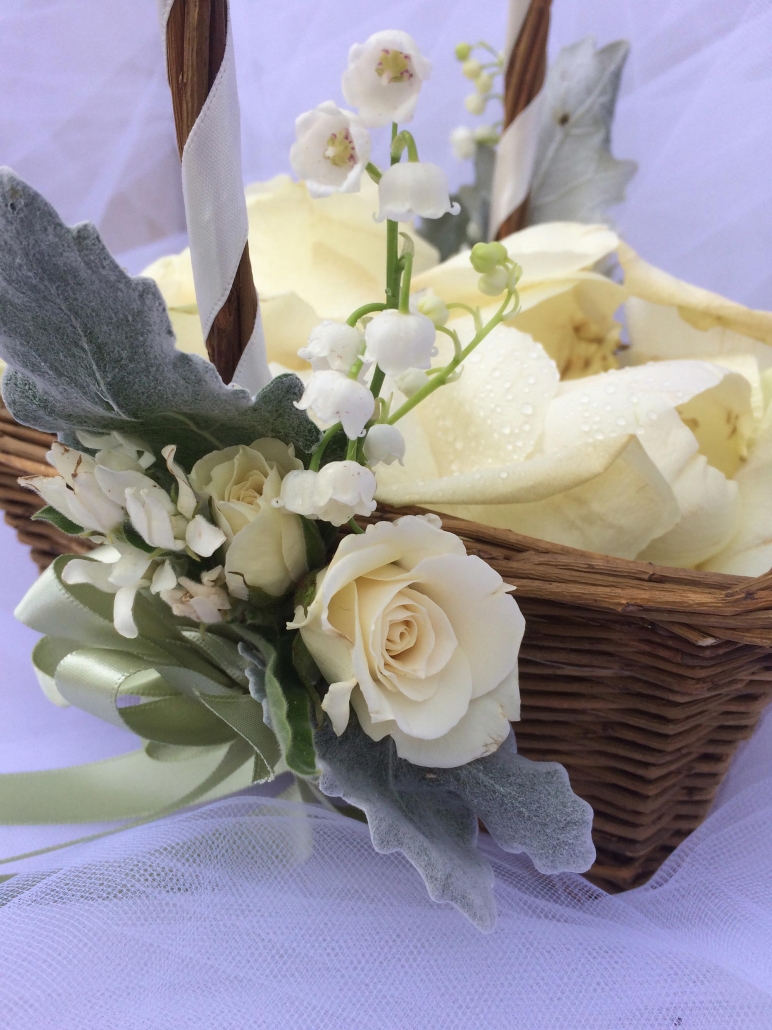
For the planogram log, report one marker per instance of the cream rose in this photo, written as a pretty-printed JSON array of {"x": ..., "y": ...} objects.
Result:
[
  {"x": 420, "y": 638},
  {"x": 265, "y": 546}
]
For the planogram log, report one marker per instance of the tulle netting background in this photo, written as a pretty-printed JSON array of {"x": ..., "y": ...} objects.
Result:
[{"x": 254, "y": 912}]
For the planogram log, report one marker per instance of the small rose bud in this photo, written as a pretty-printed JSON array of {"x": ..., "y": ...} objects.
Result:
[
  {"x": 384, "y": 443},
  {"x": 463, "y": 50}
]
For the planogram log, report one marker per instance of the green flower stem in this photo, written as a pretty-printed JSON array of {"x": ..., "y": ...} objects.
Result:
[
  {"x": 316, "y": 457},
  {"x": 402, "y": 141},
  {"x": 351, "y": 450},
  {"x": 354, "y": 527},
  {"x": 457, "y": 348},
  {"x": 474, "y": 312},
  {"x": 392, "y": 264},
  {"x": 441, "y": 377},
  {"x": 404, "y": 293},
  {"x": 354, "y": 317},
  {"x": 374, "y": 172}
]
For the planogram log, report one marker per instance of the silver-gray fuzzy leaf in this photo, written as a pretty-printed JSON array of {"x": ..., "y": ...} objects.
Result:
[
  {"x": 89, "y": 347},
  {"x": 575, "y": 177},
  {"x": 435, "y": 831}
]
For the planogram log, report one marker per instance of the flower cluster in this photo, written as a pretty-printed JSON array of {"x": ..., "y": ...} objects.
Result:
[{"x": 483, "y": 73}]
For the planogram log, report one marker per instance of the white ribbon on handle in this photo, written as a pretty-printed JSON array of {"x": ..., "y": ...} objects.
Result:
[
  {"x": 516, "y": 152},
  {"x": 215, "y": 208}
]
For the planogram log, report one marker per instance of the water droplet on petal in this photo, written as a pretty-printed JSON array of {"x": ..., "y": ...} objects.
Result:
[{"x": 527, "y": 409}]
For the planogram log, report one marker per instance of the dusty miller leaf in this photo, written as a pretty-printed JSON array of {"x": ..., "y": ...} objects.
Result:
[
  {"x": 575, "y": 177},
  {"x": 431, "y": 814},
  {"x": 436, "y": 832},
  {"x": 89, "y": 347}
]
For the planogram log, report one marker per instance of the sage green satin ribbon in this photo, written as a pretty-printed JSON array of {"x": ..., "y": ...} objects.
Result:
[{"x": 181, "y": 690}]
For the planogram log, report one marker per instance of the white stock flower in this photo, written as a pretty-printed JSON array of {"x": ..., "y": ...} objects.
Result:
[
  {"x": 332, "y": 345},
  {"x": 331, "y": 397},
  {"x": 414, "y": 189},
  {"x": 331, "y": 150},
  {"x": 264, "y": 548},
  {"x": 397, "y": 342},
  {"x": 117, "y": 450},
  {"x": 335, "y": 494},
  {"x": 202, "y": 602},
  {"x": 463, "y": 142},
  {"x": 118, "y": 569},
  {"x": 420, "y": 639},
  {"x": 384, "y": 443},
  {"x": 76, "y": 492},
  {"x": 154, "y": 516},
  {"x": 384, "y": 77}
]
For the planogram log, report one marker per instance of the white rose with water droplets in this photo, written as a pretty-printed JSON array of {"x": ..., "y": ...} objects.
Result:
[
  {"x": 335, "y": 494},
  {"x": 384, "y": 77},
  {"x": 332, "y": 345},
  {"x": 414, "y": 189},
  {"x": 332, "y": 397},
  {"x": 331, "y": 150},
  {"x": 397, "y": 342}
]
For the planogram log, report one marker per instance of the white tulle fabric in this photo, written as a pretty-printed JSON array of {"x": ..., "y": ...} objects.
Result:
[
  {"x": 254, "y": 913},
  {"x": 260, "y": 913}
]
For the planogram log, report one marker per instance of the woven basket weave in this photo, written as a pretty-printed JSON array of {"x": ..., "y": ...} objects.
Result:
[{"x": 640, "y": 680}]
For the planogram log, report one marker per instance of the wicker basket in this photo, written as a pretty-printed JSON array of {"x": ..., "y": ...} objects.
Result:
[
  {"x": 23, "y": 453},
  {"x": 640, "y": 680}
]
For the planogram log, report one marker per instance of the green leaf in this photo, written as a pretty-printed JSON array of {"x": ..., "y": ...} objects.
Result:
[
  {"x": 55, "y": 517},
  {"x": 274, "y": 682},
  {"x": 135, "y": 539},
  {"x": 89, "y": 347},
  {"x": 316, "y": 552},
  {"x": 305, "y": 666}
]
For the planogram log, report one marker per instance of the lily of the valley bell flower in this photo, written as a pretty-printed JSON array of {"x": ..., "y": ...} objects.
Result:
[
  {"x": 339, "y": 491},
  {"x": 332, "y": 397},
  {"x": 332, "y": 345},
  {"x": 414, "y": 189},
  {"x": 331, "y": 150},
  {"x": 384, "y": 77},
  {"x": 398, "y": 341},
  {"x": 384, "y": 444}
]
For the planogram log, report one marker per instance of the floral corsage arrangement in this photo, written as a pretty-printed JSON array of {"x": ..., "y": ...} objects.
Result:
[{"x": 233, "y": 599}]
